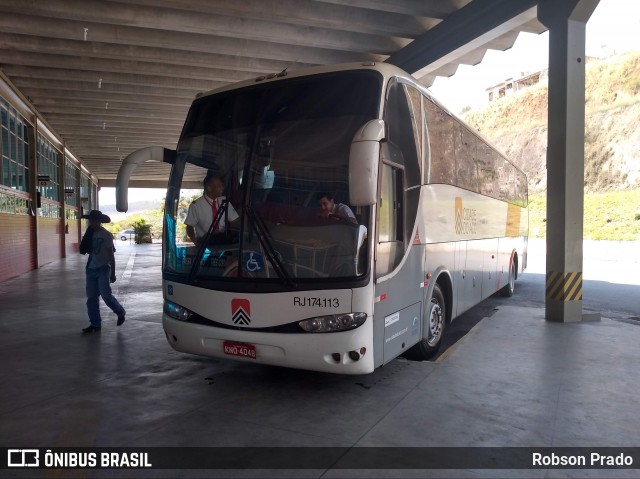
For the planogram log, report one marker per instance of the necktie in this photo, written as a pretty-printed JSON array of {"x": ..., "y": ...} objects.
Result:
[{"x": 214, "y": 210}]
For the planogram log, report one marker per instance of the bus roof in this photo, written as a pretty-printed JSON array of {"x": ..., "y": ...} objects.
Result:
[{"x": 386, "y": 69}]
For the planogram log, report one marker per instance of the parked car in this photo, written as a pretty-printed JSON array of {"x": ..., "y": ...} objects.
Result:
[{"x": 124, "y": 235}]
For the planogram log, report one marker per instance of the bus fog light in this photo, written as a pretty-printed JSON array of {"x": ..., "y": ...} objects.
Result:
[
  {"x": 333, "y": 323},
  {"x": 336, "y": 357},
  {"x": 176, "y": 311},
  {"x": 357, "y": 354}
]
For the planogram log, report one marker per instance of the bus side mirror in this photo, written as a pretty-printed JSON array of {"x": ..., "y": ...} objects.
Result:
[
  {"x": 130, "y": 163},
  {"x": 364, "y": 158}
]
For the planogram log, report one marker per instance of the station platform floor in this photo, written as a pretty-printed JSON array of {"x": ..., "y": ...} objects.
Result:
[{"x": 514, "y": 381}]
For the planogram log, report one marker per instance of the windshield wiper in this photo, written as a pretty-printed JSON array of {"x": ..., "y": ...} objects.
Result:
[
  {"x": 205, "y": 241},
  {"x": 263, "y": 237}
]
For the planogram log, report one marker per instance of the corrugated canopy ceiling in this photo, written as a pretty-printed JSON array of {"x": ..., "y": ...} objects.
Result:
[{"x": 110, "y": 77}]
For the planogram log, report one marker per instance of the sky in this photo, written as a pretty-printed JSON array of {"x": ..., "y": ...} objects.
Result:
[
  {"x": 613, "y": 28},
  {"x": 107, "y": 196}
]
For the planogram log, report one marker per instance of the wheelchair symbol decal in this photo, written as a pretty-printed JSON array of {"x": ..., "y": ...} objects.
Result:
[{"x": 253, "y": 262}]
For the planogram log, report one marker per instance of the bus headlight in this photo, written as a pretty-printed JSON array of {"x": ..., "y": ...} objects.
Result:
[
  {"x": 176, "y": 311},
  {"x": 333, "y": 322}
]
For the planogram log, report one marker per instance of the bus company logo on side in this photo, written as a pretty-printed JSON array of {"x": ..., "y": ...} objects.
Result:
[
  {"x": 240, "y": 311},
  {"x": 466, "y": 219}
]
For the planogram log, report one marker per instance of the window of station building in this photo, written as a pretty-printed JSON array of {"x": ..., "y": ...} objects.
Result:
[
  {"x": 14, "y": 141},
  {"x": 85, "y": 192},
  {"x": 70, "y": 183},
  {"x": 94, "y": 197},
  {"x": 88, "y": 194},
  {"x": 13, "y": 204},
  {"x": 48, "y": 165}
]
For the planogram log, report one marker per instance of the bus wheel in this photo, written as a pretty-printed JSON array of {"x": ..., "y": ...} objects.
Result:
[
  {"x": 510, "y": 287},
  {"x": 436, "y": 319}
]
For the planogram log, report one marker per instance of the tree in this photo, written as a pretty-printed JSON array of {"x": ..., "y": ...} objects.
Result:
[{"x": 143, "y": 231}]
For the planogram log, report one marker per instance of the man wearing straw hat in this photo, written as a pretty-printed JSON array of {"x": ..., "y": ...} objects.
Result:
[{"x": 100, "y": 271}]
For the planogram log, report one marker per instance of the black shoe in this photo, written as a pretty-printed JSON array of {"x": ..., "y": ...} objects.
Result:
[
  {"x": 121, "y": 320},
  {"x": 91, "y": 329}
]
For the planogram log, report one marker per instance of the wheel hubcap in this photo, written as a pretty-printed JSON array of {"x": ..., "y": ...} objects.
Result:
[{"x": 435, "y": 324}]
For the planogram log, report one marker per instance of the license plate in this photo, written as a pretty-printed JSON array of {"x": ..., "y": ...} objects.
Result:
[{"x": 239, "y": 349}]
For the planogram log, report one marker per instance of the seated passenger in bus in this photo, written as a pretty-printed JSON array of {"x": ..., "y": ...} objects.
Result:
[
  {"x": 203, "y": 211},
  {"x": 329, "y": 209}
]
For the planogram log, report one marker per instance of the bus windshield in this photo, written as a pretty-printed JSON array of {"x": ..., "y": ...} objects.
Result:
[{"x": 280, "y": 152}]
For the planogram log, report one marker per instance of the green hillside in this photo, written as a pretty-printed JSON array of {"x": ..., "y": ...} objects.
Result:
[
  {"x": 517, "y": 124},
  {"x": 613, "y": 215}
]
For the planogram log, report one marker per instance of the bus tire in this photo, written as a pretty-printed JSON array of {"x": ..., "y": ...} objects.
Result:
[
  {"x": 435, "y": 319},
  {"x": 509, "y": 288}
]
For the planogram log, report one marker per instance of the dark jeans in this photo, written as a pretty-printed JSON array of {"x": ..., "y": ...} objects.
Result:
[{"x": 98, "y": 285}]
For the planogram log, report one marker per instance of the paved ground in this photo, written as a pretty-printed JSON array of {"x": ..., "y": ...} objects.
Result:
[{"x": 515, "y": 380}]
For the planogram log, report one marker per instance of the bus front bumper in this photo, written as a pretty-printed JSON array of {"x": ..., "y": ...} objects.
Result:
[{"x": 325, "y": 352}]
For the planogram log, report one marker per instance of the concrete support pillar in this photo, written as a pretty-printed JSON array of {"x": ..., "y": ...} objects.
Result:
[
  {"x": 33, "y": 181},
  {"x": 566, "y": 21},
  {"x": 78, "y": 196},
  {"x": 63, "y": 203}
]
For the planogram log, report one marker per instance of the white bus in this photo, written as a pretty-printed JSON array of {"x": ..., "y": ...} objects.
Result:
[{"x": 441, "y": 221}]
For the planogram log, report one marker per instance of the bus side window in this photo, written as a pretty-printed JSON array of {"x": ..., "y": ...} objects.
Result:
[
  {"x": 390, "y": 247},
  {"x": 466, "y": 144},
  {"x": 442, "y": 165}
]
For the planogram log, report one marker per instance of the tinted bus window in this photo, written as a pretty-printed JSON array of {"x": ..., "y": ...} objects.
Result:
[{"x": 440, "y": 136}]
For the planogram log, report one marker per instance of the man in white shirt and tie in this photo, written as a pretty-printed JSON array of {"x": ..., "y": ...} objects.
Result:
[{"x": 202, "y": 211}]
